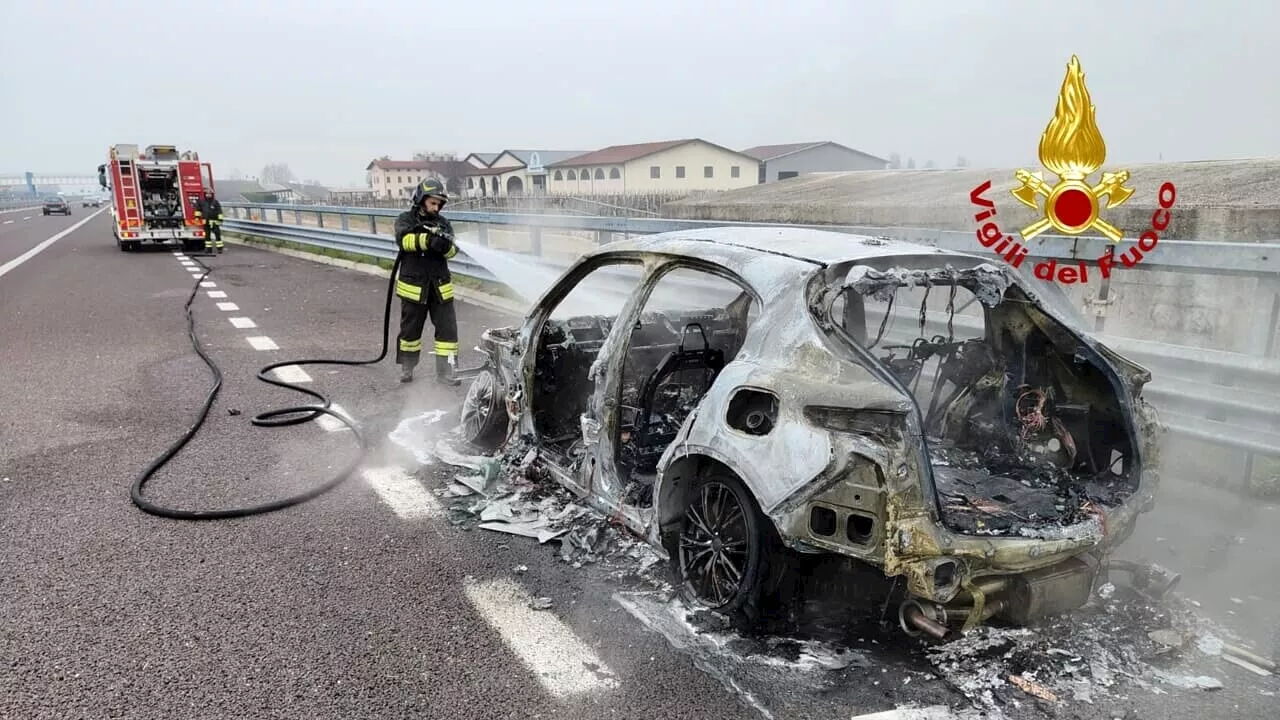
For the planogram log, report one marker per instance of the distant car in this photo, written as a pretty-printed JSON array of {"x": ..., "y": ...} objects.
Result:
[
  {"x": 56, "y": 206},
  {"x": 91, "y": 202}
]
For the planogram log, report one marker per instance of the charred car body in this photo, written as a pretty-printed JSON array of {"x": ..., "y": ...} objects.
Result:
[{"x": 735, "y": 393}]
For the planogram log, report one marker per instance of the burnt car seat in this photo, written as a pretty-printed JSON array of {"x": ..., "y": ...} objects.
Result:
[{"x": 709, "y": 360}]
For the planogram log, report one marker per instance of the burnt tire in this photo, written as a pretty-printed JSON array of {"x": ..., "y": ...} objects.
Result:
[
  {"x": 726, "y": 553},
  {"x": 483, "y": 417}
]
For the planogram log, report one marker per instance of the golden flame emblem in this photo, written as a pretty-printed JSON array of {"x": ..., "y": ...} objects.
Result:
[{"x": 1072, "y": 148}]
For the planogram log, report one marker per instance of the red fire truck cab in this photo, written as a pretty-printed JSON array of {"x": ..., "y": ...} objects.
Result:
[{"x": 154, "y": 194}]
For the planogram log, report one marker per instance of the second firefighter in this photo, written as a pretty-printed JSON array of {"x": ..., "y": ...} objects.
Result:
[{"x": 424, "y": 285}]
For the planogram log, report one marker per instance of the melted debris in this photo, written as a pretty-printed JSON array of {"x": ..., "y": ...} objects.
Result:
[
  {"x": 994, "y": 492},
  {"x": 509, "y": 494}
]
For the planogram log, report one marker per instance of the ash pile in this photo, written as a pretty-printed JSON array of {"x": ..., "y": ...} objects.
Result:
[
  {"x": 1121, "y": 643},
  {"x": 510, "y": 494}
]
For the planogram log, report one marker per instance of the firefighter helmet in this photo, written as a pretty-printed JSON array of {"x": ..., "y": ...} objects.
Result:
[{"x": 429, "y": 188}]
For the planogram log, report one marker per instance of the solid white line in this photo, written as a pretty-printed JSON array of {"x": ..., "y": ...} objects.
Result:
[
  {"x": 262, "y": 342},
  {"x": 228, "y": 307},
  {"x": 208, "y": 284},
  {"x": 549, "y": 649},
  {"x": 243, "y": 323},
  {"x": 217, "y": 294},
  {"x": 402, "y": 493},
  {"x": 4, "y": 269},
  {"x": 292, "y": 374}
]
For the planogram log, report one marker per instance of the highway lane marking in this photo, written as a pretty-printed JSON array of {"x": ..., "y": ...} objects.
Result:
[
  {"x": 292, "y": 374},
  {"x": 402, "y": 493},
  {"x": 29, "y": 217},
  {"x": 8, "y": 222},
  {"x": 228, "y": 307},
  {"x": 262, "y": 342},
  {"x": 243, "y": 323},
  {"x": 208, "y": 284},
  {"x": 217, "y": 294},
  {"x": 549, "y": 649},
  {"x": 4, "y": 269}
]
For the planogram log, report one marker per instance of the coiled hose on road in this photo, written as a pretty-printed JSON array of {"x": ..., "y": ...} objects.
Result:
[{"x": 281, "y": 417}]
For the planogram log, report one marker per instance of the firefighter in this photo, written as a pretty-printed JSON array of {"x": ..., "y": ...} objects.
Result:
[
  {"x": 211, "y": 210},
  {"x": 425, "y": 286}
]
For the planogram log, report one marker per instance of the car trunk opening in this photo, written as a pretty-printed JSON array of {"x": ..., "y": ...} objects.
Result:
[{"x": 1027, "y": 429}]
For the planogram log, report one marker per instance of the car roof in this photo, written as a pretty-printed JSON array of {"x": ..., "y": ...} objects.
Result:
[{"x": 807, "y": 245}]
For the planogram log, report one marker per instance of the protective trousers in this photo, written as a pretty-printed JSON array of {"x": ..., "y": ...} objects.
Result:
[
  {"x": 413, "y": 318},
  {"x": 213, "y": 235}
]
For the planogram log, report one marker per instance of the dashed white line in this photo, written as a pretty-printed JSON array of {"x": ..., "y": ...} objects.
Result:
[
  {"x": 208, "y": 284},
  {"x": 331, "y": 423},
  {"x": 8, "y": 222},
  {"x": 228, "y": 307},
  {"x": 292, "y": 374},
  {"x": 29, "y": 217},
  {"x": 187, "y": 263},
  {"x": 549, "y": 649},
  {"x": 262, "y": 342},
  {"x": 217, "y": 294},
  {"x": 402, "y": 493},
  {"x": 243, "y": 323}
]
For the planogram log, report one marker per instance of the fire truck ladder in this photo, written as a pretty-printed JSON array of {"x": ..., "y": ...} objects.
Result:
[{"x": 129, "y": 194}]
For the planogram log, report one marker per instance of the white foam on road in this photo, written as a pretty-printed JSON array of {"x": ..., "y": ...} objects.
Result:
[
  {"x": 402, "y": 492},
  {"x": 933, "y": 712},
  {"x": 549, "y": 649},
  {"x": 262, "y": 342},
  {"x": 4, "y": 269},
  {"x": 228, "y": 307},
  {"x": 216, "y": 294},
  {"x": 243, "y": 323},
  {"x": 292, "y": 374},
  {"x": 331, "y": 423}
]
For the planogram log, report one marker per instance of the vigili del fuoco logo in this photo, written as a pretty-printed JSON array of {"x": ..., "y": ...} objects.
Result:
[{"x": 1072, "y": 148}]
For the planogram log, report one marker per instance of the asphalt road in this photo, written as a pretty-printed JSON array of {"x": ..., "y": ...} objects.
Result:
[{"x": 364, "y": 603}]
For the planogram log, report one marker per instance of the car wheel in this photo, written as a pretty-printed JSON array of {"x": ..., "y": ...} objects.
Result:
[
  {"x": 484, "y": 417},
  {"x": 726, "y": 549}
]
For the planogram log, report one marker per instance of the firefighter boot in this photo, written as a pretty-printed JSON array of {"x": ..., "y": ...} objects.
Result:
[
  {"x": 444, "y": 371},
  {"x": 406, "y": 372}
]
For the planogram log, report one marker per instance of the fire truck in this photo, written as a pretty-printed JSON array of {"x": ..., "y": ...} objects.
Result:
[{"x": 154, "y": 194}]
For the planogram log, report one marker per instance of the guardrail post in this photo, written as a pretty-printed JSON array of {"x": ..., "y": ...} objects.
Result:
[
  {"x": 373, "y": 224},
  {"x": 319, "y": 219},
  {"x": 482, "y": 234},
  {"x": 535, "y": 239},
  {"x": 279, "y": 215},
  {"x": 344, "y": 221},
  {"x": 297, "y": 217}
]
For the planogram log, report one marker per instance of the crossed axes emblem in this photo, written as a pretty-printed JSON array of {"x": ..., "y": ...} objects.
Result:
[{"x": 1111, "y": 185}]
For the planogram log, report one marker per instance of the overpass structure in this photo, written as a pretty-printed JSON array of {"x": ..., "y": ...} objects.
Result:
[{"x": 33, "y": 183}]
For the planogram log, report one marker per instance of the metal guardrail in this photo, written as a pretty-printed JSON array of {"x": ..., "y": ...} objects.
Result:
[{"x": 1227, "y": 399}]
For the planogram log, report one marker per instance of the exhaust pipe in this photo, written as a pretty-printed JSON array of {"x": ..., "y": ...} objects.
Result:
[
  {"x": 917, "y": 618},
  {"x": 1152, "y": 580}
]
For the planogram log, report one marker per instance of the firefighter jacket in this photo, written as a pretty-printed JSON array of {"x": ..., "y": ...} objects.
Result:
[
  {"x": 426, "y": 245},
  {"x": 210, "y": 209}
]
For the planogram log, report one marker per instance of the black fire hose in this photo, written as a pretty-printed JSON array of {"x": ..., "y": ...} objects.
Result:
[{"x": 282, "y": 417}]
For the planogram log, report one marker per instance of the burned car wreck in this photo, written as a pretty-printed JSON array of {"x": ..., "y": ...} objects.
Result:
[{"x": 737, "y": 395}]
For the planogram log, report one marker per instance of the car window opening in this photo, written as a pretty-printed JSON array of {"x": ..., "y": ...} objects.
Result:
[{"x": 1025, "y": 434}]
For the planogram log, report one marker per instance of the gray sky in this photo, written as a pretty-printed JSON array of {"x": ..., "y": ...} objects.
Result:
[{"x": 326, "y": 85}]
